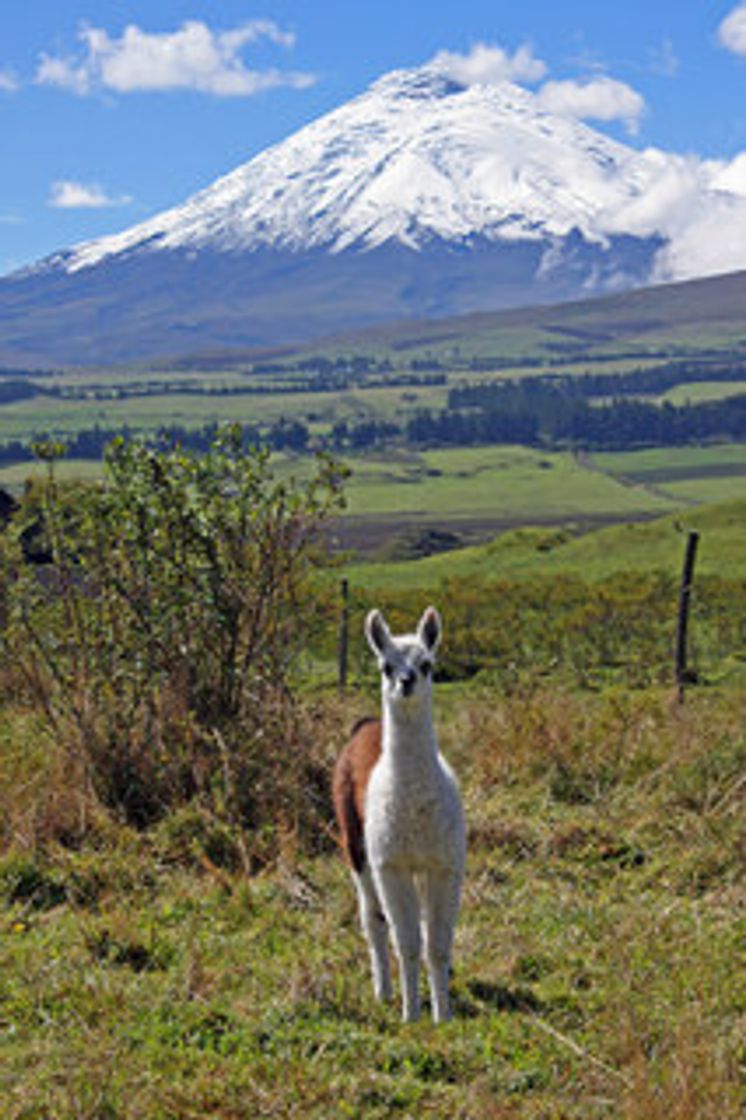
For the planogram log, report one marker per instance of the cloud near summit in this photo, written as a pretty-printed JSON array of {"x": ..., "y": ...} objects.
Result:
[
  {"x": 598, "y": 98},
  {"x": 602, "y": 99},
  {"x": 698, "y": 206},
  {"x": 194, "y": 57},
  {"x": 487, "y": 63}
]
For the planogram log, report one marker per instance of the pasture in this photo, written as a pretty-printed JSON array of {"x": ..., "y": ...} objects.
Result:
[
  {"x": 179, "y": 935},
  {"x": 555, "y": 551},
  {"x": 596, "y": 963},
  {"x": 504, "y": 483}
]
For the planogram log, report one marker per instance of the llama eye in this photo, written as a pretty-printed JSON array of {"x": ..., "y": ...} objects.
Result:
[
  {"x": 388, "y": 670},
  {"x": 426, "y": 668}
]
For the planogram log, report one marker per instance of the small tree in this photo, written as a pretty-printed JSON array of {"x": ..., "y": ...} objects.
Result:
[{"x": 160, "y": 638}]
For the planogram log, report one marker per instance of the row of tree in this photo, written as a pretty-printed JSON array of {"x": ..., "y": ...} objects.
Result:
[
  {"x": 549, "y": 418},
  {"x": 651, "y": 381},
  {"x": 90, "y": 443},
  {"x": 535, "y": 412}
]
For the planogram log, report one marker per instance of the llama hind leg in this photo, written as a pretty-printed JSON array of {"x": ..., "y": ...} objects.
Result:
[
  {"x": 441, "y": 892},
  {"x": 400, "y": 903},
  {"x": 375, "y": 929}
]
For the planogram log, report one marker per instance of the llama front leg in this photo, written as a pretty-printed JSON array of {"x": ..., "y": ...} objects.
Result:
[
  {"x": 441, "y": 901},
  {"x": 397, "y": 893},
  {"x": 376, "y": 933}
]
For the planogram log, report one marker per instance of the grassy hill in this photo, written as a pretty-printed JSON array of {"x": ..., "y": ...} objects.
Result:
[
  {"x": 697, "y": 314},
  {"x": 535, "y": 552},
  {"x": 691, "y": 316}
]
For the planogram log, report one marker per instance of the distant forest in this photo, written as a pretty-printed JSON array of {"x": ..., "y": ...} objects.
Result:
[{"x": 591, "y": 412}]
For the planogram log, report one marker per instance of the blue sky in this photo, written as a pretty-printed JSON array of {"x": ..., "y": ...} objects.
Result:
[{"x": 111, "y": 111}]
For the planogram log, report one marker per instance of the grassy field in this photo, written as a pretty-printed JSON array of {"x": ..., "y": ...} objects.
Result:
[
  {"x": 478, "y": 492},
  {"x": 660, "y": 463},
  {"x": 178, "y": 934},
  {"x": 700, "y": 391},
  {"x": 16, "y": 476},
  {"x": 596, "y": 963},
  {"x": 508, "y": 483},
  {"x": 655, "y": 545}
]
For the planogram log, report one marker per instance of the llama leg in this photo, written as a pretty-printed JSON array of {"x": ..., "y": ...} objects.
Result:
[
  {"x": 397, "y": 892},
  {"x": 441, "y": 901},
  {"x": 376, "y": 933}
]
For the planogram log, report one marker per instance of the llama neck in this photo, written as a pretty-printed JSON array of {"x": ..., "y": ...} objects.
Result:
[{"x": 408, "y": 738}]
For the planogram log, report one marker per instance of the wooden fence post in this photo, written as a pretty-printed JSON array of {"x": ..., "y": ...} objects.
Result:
[
  {"x": 344, "y": 628},
  {"x": 683, "y": 677}
]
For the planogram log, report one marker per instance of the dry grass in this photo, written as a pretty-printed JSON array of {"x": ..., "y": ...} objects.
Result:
[{"x": 597, "y": 972}]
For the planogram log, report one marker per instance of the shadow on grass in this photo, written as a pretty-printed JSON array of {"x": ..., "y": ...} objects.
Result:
[{"x": 501, "y": 997}]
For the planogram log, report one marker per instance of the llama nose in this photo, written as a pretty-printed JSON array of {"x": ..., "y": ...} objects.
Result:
[{"x": 408, "y": 678}]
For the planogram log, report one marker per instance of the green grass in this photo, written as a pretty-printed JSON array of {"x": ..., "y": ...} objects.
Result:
[
  {"x": 596, "y": 960},
  {"x": 500, "y": 483},
  {"x": 24, "y": 419},
  {"x": 661, "y": 462},
  {"x": 656, "y": 545},
  {"x": 689, "y": 475},
  {"x": 68, "y": 469},
  {"x": 509, "y": 483},
  {"x": 699, "y": 391},
  {"x": 704, "y": 490}
]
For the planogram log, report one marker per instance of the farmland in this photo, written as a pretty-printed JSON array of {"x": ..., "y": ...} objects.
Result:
[
  {"x": 403, "y": 409},
  {"x": 477, "y": 492}
]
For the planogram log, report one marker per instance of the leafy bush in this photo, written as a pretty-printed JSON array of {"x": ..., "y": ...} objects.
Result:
[{"x": 159, "y": 638}]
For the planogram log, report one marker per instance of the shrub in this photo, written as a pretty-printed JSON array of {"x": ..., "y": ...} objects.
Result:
[{"x": 159, "y": 638}]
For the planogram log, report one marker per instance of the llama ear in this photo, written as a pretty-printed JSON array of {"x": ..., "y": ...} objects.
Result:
[
  {"x": 377, "y": 632},
  {"x": 430, "y": 628}
]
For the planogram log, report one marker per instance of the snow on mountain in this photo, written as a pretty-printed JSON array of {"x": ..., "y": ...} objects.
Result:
[
  {"x": 418, "y": 156},
  {"x": 421, "y": 198}
]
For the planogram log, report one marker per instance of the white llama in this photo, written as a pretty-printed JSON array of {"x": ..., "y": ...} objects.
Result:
[{"x": 401, "y": 820}]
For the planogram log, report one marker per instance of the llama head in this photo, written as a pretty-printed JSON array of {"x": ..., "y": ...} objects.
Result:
[{"x": 406, "y": 662}]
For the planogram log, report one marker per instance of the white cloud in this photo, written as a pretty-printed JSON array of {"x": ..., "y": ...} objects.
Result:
[
  {"x": 194, "y": 57},
  {"x": 712, "y": 241},
  {"x": 698, "y": 206},
  {"x": 63, "y": 73},
  {"x": 486, "y": 64},
  {"x": 602, "y": 98},
  {"x": 66, "y": 194},
  {"x": 732, "y": 30},
  {"x": 8, "y": 81},
  {"x": 730, "y": 176}
]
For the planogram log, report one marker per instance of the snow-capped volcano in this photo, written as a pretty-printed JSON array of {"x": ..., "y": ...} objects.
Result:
[
  {"x": 416, "y": 157},
  {"x": 421, "y": 197}
]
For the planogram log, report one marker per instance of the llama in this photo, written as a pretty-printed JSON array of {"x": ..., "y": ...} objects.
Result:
[{"x": 401, "y": 821}]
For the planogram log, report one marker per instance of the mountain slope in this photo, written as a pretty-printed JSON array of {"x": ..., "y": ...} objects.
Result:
[
  {"x": 420, "y": 198},
  {"x": 418, "y": 157}
]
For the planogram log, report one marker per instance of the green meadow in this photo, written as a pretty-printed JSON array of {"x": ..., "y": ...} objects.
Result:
[
  {"x": 178, "y": 933},
  {"x": 648, "y": 546},
  {"x": 700, "y": 391},
  {"x": 503, "y": 486},
  {"x": 510, "y": 483},
  {"x": 144, "y": 975}
]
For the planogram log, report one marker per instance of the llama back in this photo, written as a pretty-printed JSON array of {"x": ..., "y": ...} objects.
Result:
[{"x": 350, "y": 784}]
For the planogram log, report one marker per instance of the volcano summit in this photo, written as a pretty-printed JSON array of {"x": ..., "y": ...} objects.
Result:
[{"x": 422, "y": 197}]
